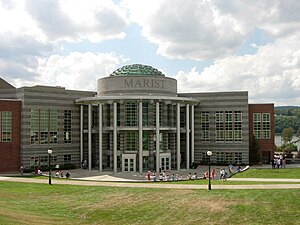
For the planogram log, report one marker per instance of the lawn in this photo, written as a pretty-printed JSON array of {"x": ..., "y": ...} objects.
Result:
[
  {"x": 23, "y": 203},
  {"x": 292, "y": 173}
]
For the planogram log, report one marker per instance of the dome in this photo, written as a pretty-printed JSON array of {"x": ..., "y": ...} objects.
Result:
[{"x": 137, "y": 70}]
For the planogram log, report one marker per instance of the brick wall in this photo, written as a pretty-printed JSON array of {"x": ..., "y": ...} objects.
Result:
[
  {"x": 10, "y": 152},
  {"x": 266, "y": 146}
]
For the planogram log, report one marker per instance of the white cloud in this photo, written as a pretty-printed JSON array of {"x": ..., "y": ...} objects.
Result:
[
  {"x": 33, "y": 30},
  {"x": 271, "y": 75},
  {"x": 76, "y": 20},
  {"x": 205, "y": 29},
  {"x": 78, "y": 71}
]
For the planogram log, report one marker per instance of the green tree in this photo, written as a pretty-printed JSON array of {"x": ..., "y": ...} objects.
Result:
[{"x": 287, "y": 135}]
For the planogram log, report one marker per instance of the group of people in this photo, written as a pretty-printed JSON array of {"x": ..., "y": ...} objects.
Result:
[
  {"x": 224, "y": 172},
  {"x": 163, "y": 176},
  {"x": 278, "y": 163},
  {"x": 59, "y": 173}
]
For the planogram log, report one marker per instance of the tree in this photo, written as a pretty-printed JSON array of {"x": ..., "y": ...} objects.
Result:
[
  {"x": 287, "y": 135},
  {"x": 254, "y": 157}
]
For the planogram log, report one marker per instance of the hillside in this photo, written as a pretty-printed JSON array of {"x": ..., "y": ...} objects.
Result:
[{"x": 287, "y": 116}]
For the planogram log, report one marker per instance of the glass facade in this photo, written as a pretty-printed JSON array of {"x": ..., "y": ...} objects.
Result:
[
  {"x": 131, "y": 114},
  {"x": 44, "y": 126},
  {"x": 67, "y": 126},
  {"x": 230, "y": 124},
  {"x": 205, "y": 126}
]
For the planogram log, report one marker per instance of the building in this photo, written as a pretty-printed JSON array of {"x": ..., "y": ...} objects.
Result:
[{"x": 135, "y": 121}]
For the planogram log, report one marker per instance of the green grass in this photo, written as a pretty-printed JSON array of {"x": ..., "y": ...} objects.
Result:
[
  {"x": 23, "y": 203},
  {"x": 292, "y": 173}
]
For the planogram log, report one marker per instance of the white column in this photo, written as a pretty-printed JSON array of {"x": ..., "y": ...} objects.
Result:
[
  {"x": 115, "y": 137},
  {"x": 81, "y": 135},
  {"x": 140, "y": 137},
  {"x": 193, "y": 134},
  {"x": 90, "y": 137},
  {"x": 157, "y": 139},
  {"x": 100, "y": 138},
  {"x": 187, "y": 136},
  {"x": 178, "y": 136}
]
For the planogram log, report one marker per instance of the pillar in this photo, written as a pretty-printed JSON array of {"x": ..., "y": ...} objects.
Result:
[
  {"x": 187, "y": 135},
  {"x": 141, "y": 137},
  {"x": 81, "y": 135},
  {"x": 178, "y": 136},
  {"x": 115, "y": 137},
  {"x": 100, "y": 138},
  {"x": 90, "y": 136}
]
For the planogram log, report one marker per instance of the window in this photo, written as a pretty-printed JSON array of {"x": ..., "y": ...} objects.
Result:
[
  {"x": 266, "y": 126},
  {"x": 145, "y": 114},
  {"x": 205, "y": 126},
  {"x": 219, "y": 126},
  {"x": 145, "y": 141},
  {"x": 257, "y": 125},
  {"x": 131, "y": 141},
  {"x": 44, "y": 123},
  {"x": 5, "y": 126},
  {"x": 237, "y": 126},
  {"x": 67, "y": 126},
  {"x": 53, "y": 126},
  {"x": 228, "y": 126},
  {"x": 44, "y": 126},
  {"x": 131, "y": 114},
  {"x": 67, "y": 158}
]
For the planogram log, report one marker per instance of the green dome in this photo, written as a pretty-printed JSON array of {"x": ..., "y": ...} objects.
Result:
[{"x": 137, "y": 70}]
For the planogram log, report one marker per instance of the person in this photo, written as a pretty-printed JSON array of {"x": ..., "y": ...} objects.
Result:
[
  {"x": 172, "y": 177},
  {"x": 283, "y": 163},
  {"x": 57, "y": 173},
  {"x": 149, "y": 174},
  {"x": 40, "y": 172},
  {"x": 221, "y": 174},
  {"x": 224, "y": 174},
  {"x": 273, "y": 163},
  {"x": 213, "y": 174},
  {"x": 154, "y": 176},
  {"x": 68, "y": 174},
  {"x": 238, "y": 169},
  {"x": 189, "y": 177},
  {"x": 61, "y": 174},
  {"x": 21, "y": 169},
  {"x": 194, "y": 177}
]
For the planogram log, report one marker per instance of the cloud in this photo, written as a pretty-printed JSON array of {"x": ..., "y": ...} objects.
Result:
[
  {"x": 272, "y": 74},
  {"x": 76, "y": 20},
  {"x": 34, "y": 31},
  {"x": 78, "y": 71},
  {"x": 200, "y": 30}
]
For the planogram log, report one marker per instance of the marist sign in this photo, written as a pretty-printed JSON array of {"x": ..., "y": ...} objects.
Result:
[{"x": 144, "y": 83}]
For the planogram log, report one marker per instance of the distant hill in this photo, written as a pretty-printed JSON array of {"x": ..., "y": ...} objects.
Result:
[{"x": 287, "y": 116}]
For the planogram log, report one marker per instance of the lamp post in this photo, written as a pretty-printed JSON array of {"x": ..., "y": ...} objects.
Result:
[
  {"x": 49, "y": 164},
  {"x": 209, "y": 153}
]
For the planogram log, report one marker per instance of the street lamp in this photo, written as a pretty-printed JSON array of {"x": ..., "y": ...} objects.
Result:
[
  {"x": 49, "y": 164},
  {"x": 209, "y": 153}
]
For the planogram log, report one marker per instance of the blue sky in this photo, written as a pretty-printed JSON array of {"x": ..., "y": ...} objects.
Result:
[{"x": 207, "y": 45}]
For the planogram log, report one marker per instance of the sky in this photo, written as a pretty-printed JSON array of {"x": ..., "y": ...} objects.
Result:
[{"x": 207, "y": 45}]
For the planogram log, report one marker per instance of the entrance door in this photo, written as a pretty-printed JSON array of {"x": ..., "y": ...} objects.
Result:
[
  {"x": 128, "y": 163},
  {"x": 165, "y": 161}
]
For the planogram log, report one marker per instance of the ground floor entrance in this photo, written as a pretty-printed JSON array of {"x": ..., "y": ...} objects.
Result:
[{"x": 128, "y": 162}]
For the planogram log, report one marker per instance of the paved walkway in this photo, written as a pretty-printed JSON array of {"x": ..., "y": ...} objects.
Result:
[
  {"x": 95, "y": 178},
  {"x": 175, "y": 185}
]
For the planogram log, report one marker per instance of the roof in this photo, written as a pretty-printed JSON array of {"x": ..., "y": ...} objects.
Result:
[
  {"x": 5, "y": 85},
  {"x": 137, "y": 70}
]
